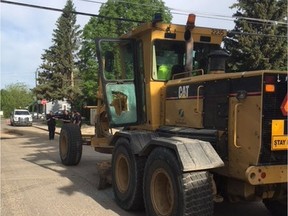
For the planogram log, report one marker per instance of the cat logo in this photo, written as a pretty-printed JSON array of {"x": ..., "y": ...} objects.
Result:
[{"x": 183, "y": 91}]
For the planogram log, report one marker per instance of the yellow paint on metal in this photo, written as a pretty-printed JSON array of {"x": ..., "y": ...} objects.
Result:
[
  {"x": 277, "y": 127},
  {"x": 279, "y": 140}
]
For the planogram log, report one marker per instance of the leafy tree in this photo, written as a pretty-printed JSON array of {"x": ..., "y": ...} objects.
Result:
[
  {"x": 102, "y": 26},
  {"x": 15, "y": 96},
  {"x": 58, "y": 73},
  {"x": 259, "y": 39}
]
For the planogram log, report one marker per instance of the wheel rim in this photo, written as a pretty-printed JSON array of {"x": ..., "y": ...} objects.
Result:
[
  {"x": 162, "y": 193},
  {"x": 63, "y": 147},
  {"x": 122, "y": 173}
]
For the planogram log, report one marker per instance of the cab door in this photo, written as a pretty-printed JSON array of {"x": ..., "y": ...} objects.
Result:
[{"x": 121, "y": 81}]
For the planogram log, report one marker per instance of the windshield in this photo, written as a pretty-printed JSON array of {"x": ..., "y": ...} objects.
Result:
[
  {"x": 22, "y": 112},
  {"x": 167, "y": 54},
  {"x": 169, "y": 57}
]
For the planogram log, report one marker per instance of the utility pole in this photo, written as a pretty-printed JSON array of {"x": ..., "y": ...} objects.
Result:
[
  {"x": 36, "y": 83},
  {"x": 36, "y": 77}
]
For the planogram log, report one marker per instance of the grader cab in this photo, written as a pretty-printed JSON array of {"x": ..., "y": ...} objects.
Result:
[{"x": 183, "y": 133}]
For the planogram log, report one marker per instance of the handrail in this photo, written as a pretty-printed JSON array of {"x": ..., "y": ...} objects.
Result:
[
  {"x": 188, "y": 74},
  {"x": 197, "y": 110},
  {"x": 235, "y": 125}
]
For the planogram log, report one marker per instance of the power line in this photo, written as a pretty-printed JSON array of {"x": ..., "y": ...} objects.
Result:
[
  {"x": 177, "y": 11},
  {"x": 203, "y": 15},
  {"x": 231, "y": 33},
  {"x": 122, "y": 19},
  {"x": 93, "y": 1},
  {"x": 120, "y": 1},
  {"x": 232, "y": 19},
  {"x": 75, "y": 12}
]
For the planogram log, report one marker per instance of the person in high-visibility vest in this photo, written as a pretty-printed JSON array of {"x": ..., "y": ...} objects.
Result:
[{"x": 164, "y": 72}]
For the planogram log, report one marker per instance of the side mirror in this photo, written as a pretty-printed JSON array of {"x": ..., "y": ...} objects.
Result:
[{"x": 109, "y": 61}]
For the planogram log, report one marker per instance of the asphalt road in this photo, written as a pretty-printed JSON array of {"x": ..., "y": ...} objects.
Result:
[{"x": 34, "y": 182}]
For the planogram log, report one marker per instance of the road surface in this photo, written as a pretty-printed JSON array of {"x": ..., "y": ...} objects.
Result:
[{"x": 34, "y": 182}]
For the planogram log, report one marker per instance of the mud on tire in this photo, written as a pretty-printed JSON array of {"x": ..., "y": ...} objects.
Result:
[{"x": 70, "y": 144}]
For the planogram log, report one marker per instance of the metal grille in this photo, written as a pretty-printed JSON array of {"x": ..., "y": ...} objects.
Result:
[{"x": 23, "y": 120}]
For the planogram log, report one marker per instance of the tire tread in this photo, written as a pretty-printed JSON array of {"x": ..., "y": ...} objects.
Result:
[{"x": 74, "y": 139}]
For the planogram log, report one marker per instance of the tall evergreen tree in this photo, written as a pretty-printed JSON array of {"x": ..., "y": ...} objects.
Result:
[
  {"x": 102, "y": 26},
  {"x": 58, "y": 74},
  {"x": 259, "y": 39}
]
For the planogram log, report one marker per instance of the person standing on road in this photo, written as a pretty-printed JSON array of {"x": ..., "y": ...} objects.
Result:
[
  {"x": 51, "y": 122},
  {"x": 66, "y": 117},
  {"x": 77, "y": 118}
]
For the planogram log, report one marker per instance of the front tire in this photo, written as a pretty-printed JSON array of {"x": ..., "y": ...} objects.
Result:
[
  {"x": 168, "y": 191},
  {"x": 127, "y": 176},
  {"x": 70, "y": 144}
]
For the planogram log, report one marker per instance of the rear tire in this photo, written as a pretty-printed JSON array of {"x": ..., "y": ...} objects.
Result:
[
  {"x": 70, "y": 144},
  {"x": 168, "y": 191},
  {"x": 127, "y": 176}
]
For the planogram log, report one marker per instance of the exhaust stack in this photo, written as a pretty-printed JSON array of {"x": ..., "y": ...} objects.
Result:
[
  {"x": 217, "y": 61},
  {"x": 189, "y": 42}
]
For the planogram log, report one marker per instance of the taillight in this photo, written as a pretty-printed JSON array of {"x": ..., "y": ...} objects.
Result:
[{"x": 269, "y": 88}]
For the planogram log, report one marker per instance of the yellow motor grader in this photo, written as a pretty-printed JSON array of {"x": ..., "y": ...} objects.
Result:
[{"x": 182, "y": 132}]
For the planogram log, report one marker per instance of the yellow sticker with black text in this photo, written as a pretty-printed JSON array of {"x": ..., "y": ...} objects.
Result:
[{"x": 279, "y": 143}]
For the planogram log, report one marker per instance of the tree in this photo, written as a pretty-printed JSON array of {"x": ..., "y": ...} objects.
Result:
[
  {"x": 58, "y": 73},
  {"x": 259, "y": 38},
  {"x": 103, "y": 26},
  {"x": 15, "y": 96}
]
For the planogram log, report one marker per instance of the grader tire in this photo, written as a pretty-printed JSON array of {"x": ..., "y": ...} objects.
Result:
[
  {"x": 127, "y": 176},
  {"x": 168, "y": 191},
  {"x": 70, "y": 144}
]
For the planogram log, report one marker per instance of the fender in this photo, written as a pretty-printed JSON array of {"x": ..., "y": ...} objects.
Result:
[
  {"x": 137, "y": 139},
  {"x": 193, "y": 154}
]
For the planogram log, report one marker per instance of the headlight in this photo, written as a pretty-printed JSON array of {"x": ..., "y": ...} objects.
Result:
[{"x": 15, "y": 119}]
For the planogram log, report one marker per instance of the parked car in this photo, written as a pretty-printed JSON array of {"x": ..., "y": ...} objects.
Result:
[
  {"x": 20, "y": 117},
  {"x": 59, "y": 114},
  {"x": 36, "y": 115}
]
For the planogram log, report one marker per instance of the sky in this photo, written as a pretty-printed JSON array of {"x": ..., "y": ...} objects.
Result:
[{"x": 26, "y": 32}]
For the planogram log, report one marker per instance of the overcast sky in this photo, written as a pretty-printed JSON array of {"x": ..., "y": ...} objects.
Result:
[{"x": 26, "y": 32}]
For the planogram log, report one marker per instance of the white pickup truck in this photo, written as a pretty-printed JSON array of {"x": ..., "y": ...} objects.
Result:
[{"x": 20, "y": 117}]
